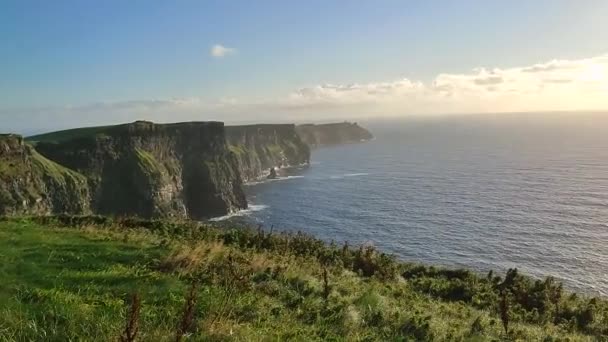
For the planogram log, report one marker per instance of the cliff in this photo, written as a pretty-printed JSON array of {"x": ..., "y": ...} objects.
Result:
[
  {"x": 32, "y": 184},
  {"x": 332, "y": 134},
  {"x": 184, "y": 170},
  {"x": 180, "y": 170},
  {"x": 258, "y": 148}
]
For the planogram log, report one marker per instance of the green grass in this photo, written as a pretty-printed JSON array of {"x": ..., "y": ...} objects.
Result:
[
  {"x": 71, "y": 278},
  {"x": 274, "y": 150},
  {"x": 239, "y": 150},
  {"x": 9, "y": 168},
  {"x": 48, "y": 168},
  {"x": 148, "y": 164},
  {"x": 13, "y": 167},
  {"x": 69, "y": 134},
  {"x": 69, "y": 285}
]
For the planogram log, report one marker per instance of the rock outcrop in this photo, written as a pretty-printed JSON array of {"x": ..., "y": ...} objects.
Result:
[
  {"x": 258, "y": 148},
  {"x": 332, "y": 134}
]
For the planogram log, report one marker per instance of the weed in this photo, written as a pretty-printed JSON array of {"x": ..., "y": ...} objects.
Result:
[
  {"x": 187, "y": 320},
  {"x": 132, "y": 324}
]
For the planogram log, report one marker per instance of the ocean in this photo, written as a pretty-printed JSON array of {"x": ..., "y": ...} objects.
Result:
[{"x": 485, "y": 192}]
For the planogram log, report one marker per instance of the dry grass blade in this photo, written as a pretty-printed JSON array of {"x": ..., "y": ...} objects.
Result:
[
  {"x": 188, "y": 258},
  {"x": 326, "y": 289},
  {"x": 504, "y": 311}
]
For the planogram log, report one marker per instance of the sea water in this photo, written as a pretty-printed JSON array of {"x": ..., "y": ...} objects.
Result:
[{"x": 485, "y": 192}]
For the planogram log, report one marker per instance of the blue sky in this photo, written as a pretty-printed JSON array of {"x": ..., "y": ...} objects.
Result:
[{"x": 66, "y": 54}]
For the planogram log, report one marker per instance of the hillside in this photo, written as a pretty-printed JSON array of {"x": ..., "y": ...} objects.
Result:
[
  {"x": 68, "y": 134},
  {"x": 91, "y": 278},
  {"x": 33, "y": 184}
]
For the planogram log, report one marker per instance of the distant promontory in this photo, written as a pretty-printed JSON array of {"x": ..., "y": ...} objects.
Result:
[{"x": 332, "y": 134}]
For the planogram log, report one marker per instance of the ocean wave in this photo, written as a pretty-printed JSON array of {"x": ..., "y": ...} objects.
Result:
[
  {"x": 356, "y": 174},
  {"x": 273, "y": 180},
  {"x": 251, "y": 208},
  {"x": 349, "y": 175}
]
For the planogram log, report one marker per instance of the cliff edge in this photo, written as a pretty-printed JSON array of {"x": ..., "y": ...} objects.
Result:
[
  {"x": 191, "y": 170},
  {"x": 33, "y": 184},
  {"x": 258, "y": 148},
  {"x": 182, "y": 170}
]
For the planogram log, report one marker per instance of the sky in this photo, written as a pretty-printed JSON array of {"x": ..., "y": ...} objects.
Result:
[{"x": 74, "y": 63}]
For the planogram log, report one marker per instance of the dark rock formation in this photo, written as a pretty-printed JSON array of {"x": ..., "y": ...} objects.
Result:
[
  {"x": 332, "y": 134},
  {"x": 272, "y": 174},
  {"x": 261, "y": 147}
]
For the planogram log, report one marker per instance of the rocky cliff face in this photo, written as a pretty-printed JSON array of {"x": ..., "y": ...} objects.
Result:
[
  {"x": 260, "y": 147},
  {"x": 177, "y": 170},
  {"x": 32, "y": 184},
  {"x": 184, "y": 170},
  {"x": 332, "y": 134}
]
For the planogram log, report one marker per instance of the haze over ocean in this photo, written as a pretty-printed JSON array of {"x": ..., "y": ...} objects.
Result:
[{"x": 488, "y": 192}]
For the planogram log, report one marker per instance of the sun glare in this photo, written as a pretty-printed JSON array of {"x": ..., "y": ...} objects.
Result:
[{"x": 594, "y": 73}]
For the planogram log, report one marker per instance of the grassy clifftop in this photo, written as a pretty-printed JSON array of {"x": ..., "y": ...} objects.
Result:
[
  {"x": 31, "y": 183},
  {"x": 141, "y": 127},
  {"x": 333, "y": 134},
  {"x": 74, "y": 278},
  {"x": 69, "y": 134}
]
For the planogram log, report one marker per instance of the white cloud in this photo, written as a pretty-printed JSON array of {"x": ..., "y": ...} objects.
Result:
[
  {"x": 554, "y": 85},
  {"x": 220, "y": 51}
]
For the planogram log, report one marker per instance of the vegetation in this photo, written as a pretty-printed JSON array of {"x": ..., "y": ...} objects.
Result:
[
  {"x": 29, "y": 182},
  {"x": 47, "y": 168},
  {"x": 15, "y": 166},
  {"x": 238, "y": 150},
  {"x": 69, "y": 134},
  {"x": 95, "y": 278},
  {"x": 148, "y": 164}
]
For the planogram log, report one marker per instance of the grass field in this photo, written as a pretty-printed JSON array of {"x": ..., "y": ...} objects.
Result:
[
  {"x": 68, "y": 134},
  {"x": 76, "y": 280}
]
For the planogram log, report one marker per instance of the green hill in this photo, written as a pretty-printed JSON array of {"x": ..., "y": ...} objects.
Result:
[
  {"x": 68, "y": 134},
  {"x": 94, "y": 279}
]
